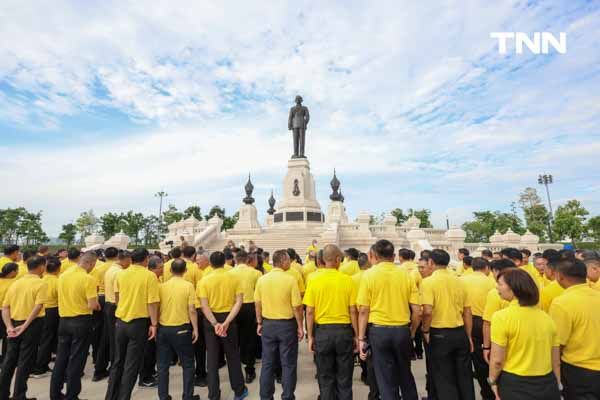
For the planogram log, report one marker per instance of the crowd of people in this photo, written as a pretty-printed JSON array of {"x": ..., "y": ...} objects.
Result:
[{"x": 522, "y": 329}]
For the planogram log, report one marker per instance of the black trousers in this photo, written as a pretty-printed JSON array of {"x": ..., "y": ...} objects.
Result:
[
  {"x": 335, "y": 360},
  {"x": 372, "y": 380},
  {"x": 391, "y": 347},
  {"x": 20, "y": 355},
  {"x": 231, "y": 349},
  {"x": 515, "y": 387},
  {"x": 110, "y": 320},
  {"x": 100, "y": 345},
  {"x": 480, "y": 366},
  {"x": 49, "y": 340},
  {"x": 279, "y": 348},
  {"x": 418, "y": 342},
  {"x": 130, "y": 338},
  {"x": 3, "y": 339},
  {"x": 580, "y": 383},
  {"x": 246, "y": 321},
  {"x": 200, "y": 347},
  {"x": 148, "y": 368},
  {"x": 451, "y": 364},
  {"x": 71, "y": 355},
  {"x": 171, "y": 341},
  {"x": 429, "y": 386}
]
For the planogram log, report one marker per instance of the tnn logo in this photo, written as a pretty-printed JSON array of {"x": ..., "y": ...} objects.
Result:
[{"x": 540, "y": 43}]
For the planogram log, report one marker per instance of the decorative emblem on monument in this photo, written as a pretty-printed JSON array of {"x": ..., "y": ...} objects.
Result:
[
  {"x": 335, "y": 186},
  {"x": 298, "y": 123},
  {"x": 296, "y": 191},
  {"x": 249, "y": 189}
]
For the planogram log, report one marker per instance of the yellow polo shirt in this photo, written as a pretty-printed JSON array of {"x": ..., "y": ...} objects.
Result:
[
  {"x": 331, "y": 294},
  {"x": 534, "y": 273},
  {"x": 278, "y": 294},
  {"x": 549, "y": 293},
  {"x": 209, "y": 270},
  {"x": 308, "y": 268},
  {"x": 110, "y": 278},
  {"x": 356, "y": 279},
  {"x": 350, "y": 268},
  {"x": 409, "y": 265},
  {"x": 467, "y": 271},
  {"x": 297, "y": 266},
  {"x": 66, "y": 264},
  {"x": 577, "y": 319},
  {"x": 22, "y": 271},
  {"x": 387, "y": 290},
  {"x": 267, "y": 267},
  {"x": 528, "y": 334},
  {"x": 4, "y": 285},
  {"x": 192, "y": 273},
  {"x": 415, "y": 275},
  {"x": 493, "y": 303},
  {"x": 176, "y": 295},
  {"x": 313, "y": 274},
  {"x": 247, "y": 277},
  {"x": 74, "y": 291},
  {"x": 99, "y": 272},
  {"x": 23, "y": 295},
  {"x": 478, "y": 286},
  {"x": 448, "y": 297},
  {"x": 4, "y": 260},
  {"x": 220, "y": 288},
  {"x": 137, "y": 287},
  {"x": 52, "y": 295},
  {"x": 298, "y": 276}
]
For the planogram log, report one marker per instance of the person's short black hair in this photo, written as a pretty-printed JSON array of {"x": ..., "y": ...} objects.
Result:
[
  {"x": 52, "y": 264},
  {"x": 590, "y": 255},
  {"x": 124, "y": 254},
  {"x": 404, "y": 253},
  {"x": 424, "y": 258},
  {"x": 265, "y": 254},
  {"x": 189, "y": 251},
  {"x": 572, "y": 268},
  {"x": 353, "y": 253},
  {"x": 292, "y": 253},
  {"x": 8, "y": 268},
  {"x": 503, "y": 263},
  {"x": 464, "y": 251},
  {"x": 27, "y": 254},
  {"x": 229, "y": 255},
  {"x": 426, "y": 254},
  {"x": 468, "y": 261},
  {"x": 512, "y": 253},
  {"x": 35, "y": 262},
  {"x": 99, "y": 253},
  {"x": 111, "y": 252},
  {"x": 43, "y": 249},
  {"x": 155, "y": 261},
  {"x": 537, "y": 254},
  {"x": 522, "y": 285},
  {"x": 73, "y": 253},
  {"x": 278, "y": 257},
  {"x": 551, "y": 256},
  {"x": 486, "y": 253},
  {"x": 241, "y": 257},
  {"x": 479, "y": 263},
  {"x": 178, "y": 266},
  {"x": 139, "y": 255},
  {"x": 566, "y": 254},
  {"x": 10, "y": 249},
  {"x": 176, "y": 252},
  {"x": 363, "y": 259},
  {"x": 217, "y": 259},
  {"x": 527, "y": 252},
  {"x": 319, "y": 259},
  {"x": 440, "y": 257},
  {"x": 384, "y": 249},
  {"x": 57, "y": 252}
]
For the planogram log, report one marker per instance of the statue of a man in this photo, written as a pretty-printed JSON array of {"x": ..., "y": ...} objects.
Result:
[{"x": 297, "y": 123}]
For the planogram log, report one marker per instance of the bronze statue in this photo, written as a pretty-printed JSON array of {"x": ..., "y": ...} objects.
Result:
[{"x": 297, "y": 123}]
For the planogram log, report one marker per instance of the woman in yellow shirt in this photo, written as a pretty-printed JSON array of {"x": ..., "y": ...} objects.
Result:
[
  {"x": 525, "y": 358},
  {"x": 7, "y": 277}
]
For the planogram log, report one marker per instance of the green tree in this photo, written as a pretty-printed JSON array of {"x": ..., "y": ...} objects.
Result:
[
  {"x": 229, "y": 222},
  {"x": 69, "y": 231},
  {"x": 536, "y": 214},
  {"x": 110, "y": 224},
  {"x": 10, "y": 220},
  {"x": 30, "y": 229},
  {"x": 400, "y": 216},
  {"x": 215, "y": 210},
  {"x": 171, "y": 215},
  {"x": 423, "y": 215},
  {"x": 86, "y": 224},
  {"x": 193, "y": 210},
  {"x": 487, "y": 222},
  {"x": 593, "y": 228},
  {"x": 151, "y": 231},
  {"x": 569, "y": 220},
  {"x": 133, "y": 223}
]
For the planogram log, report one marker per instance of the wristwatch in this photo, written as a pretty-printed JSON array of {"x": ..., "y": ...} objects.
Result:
[{"x": 491, "y": 382}]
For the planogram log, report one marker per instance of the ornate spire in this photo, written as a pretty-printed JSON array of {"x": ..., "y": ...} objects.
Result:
[
  {"x": 271, "y": 209},
  {"x": 249, "y": 189},
  {"x": 335, "y": 185}
]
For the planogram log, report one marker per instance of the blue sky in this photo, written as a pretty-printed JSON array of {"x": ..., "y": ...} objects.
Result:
[{"x": 102, "y": 104}]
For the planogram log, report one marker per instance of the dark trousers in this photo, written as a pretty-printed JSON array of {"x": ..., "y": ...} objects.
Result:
[
  {"x": 100, "y": 345},
  {"x": 171, "y": 341},
  {"x": 20, "y": 355},
  {"x": 335, "y": 360},
  {"x": 580, "y": 383},
  {"x": 515, "y": 387},
  {"x": 429, "y": 386},
  {"x": 200, "y": 347},
  {"x": 49, "y": 340},
  {"x": 71, "y": 355},
  {"x": 231, "y": 349},
  {"x": 451, "y": 364},
  {"x": 480, "y": 366},
  {"x": 110, "y": 321},
  {"x": 418, "y": 342},
  {"x": 148, "y": 367},
  {"x": 246, "y": 321},
  {"x": 279, "y": 347},
  {"x": 391, "y": 347},
  {"x": 372, "y": 380},
  {"x": 130, "y": 338},
  {"x": 3, "y": 339}
]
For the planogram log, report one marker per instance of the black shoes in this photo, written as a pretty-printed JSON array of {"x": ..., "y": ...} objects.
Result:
[
  {"x": 200, "y": 381},
  {"x": 250, "y": 377},
  {"x": 100, "y": 375}
]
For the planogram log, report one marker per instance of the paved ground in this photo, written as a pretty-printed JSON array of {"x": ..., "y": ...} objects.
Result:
[{"x": 307, "y": 385}]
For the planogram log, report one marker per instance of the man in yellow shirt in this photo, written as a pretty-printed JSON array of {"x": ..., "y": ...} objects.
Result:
[
  {"x": 22, "y": 313},
  {"x": 77, "y": 299},
  {"x": 386, "y": 297},
  {"x": 478, "y": 285},
  {"x": 246, "y": 318},
  {"x": 462, "y": 253},
  {"x": 71, "y": 261},
  {"x": 576, "y": 315},
  {"x": 280, "y": 324},
  {"x": 592, "y": 262},
  {"x": 406, "y": 257},
  {"x": 136, "y": 292},
  {"x": 313, "y": 247},
  {"x": 48, "y": 342},
  {"x": 177, "y": 330},
  {"x": 266, "y": 258},
  {"x": 11, "y": 254},
  {"x": 221, "y": 296},
  {"x": 332, "y": 326},
  {"x": 350, "y": 267},
  {"x": 309, "y": 266},
  {"x": 447, "y": 327},
  {"x": 516, "y": 256},
  {"x": 552, "y": 288}
]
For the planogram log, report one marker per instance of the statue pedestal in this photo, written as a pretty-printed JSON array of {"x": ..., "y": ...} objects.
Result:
[
  {"x": 299, "y": 204},
  {"x": 248, "y": 219}
]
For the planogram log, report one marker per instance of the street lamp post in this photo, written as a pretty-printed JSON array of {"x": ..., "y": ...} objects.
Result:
[
  {"x": 162, "y": 194},
  {"x": 547, "y": 180}
]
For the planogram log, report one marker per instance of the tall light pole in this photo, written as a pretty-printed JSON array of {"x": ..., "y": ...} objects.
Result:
[
  {"x": 547, "y": 180},
  {"x": 162, "y": 194}
]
